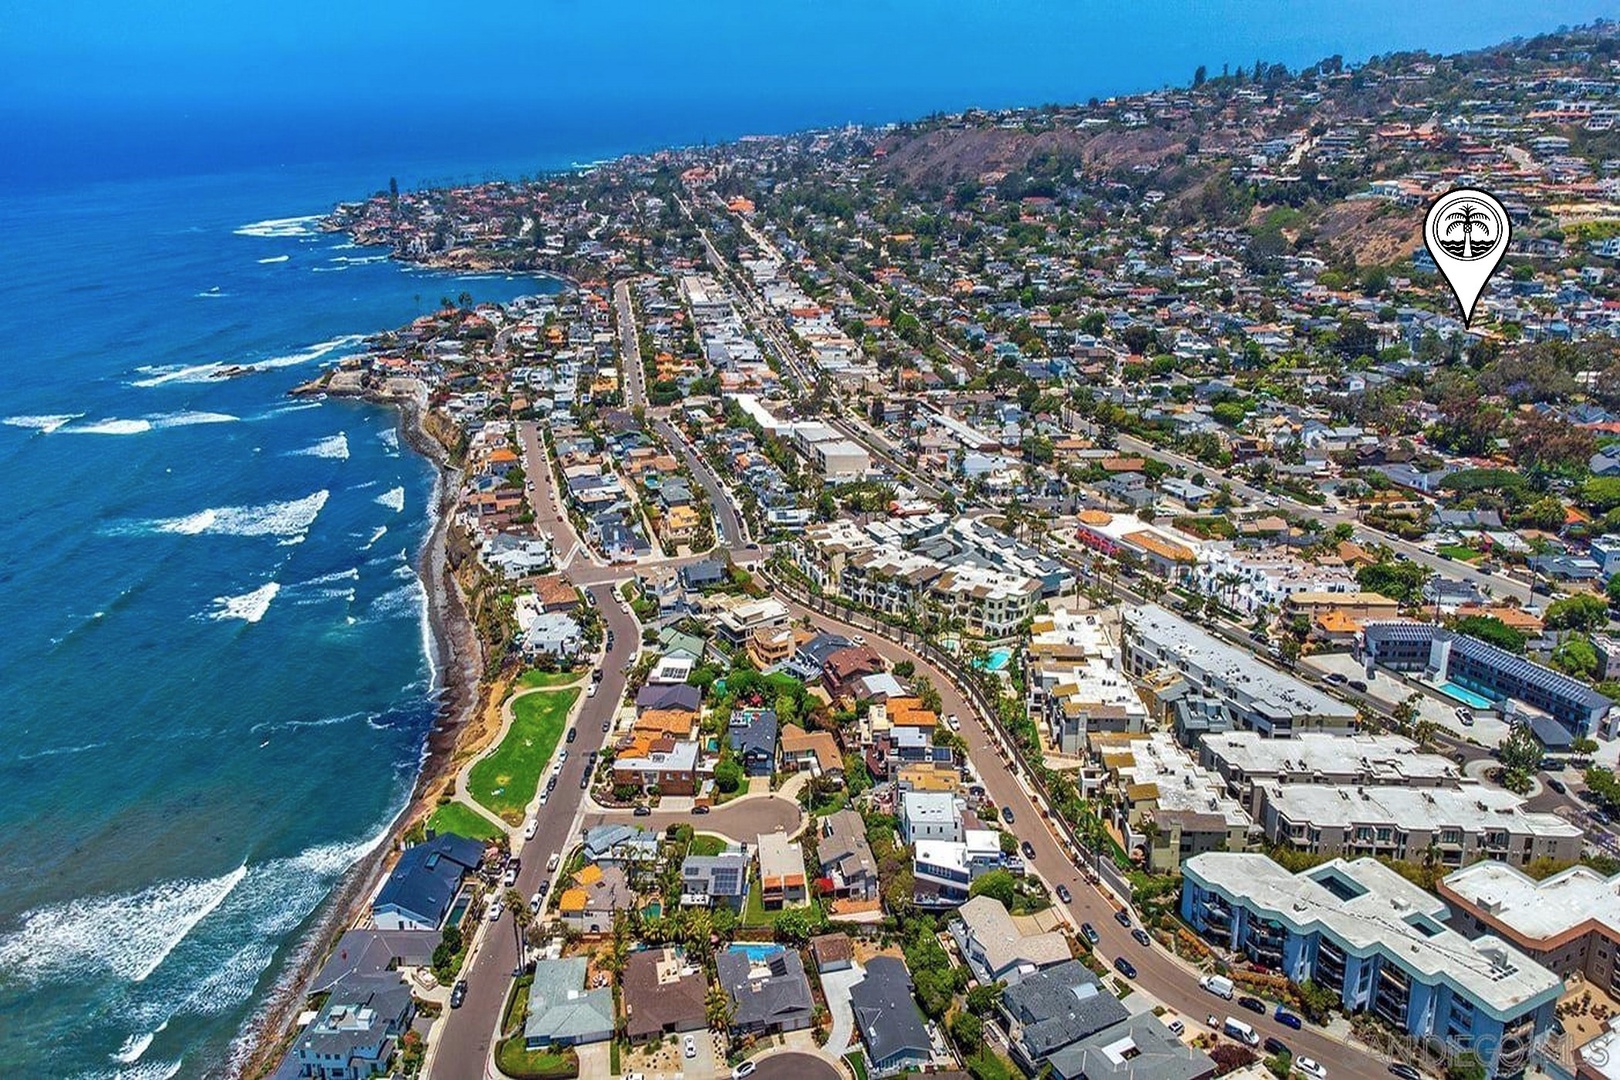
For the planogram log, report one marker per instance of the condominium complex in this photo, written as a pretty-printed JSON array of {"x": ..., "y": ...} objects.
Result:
[
  {"x": 1244, "y": 760},
  {"x": 1173, "y": 808},
  {"x": 1569, "y": 922},
  {"x": 1377, "y": 941},
  {"x": 1452, "y": 826},
  {"x": 1075, "y": 683},
  {"x": 1236, "y": 690}
]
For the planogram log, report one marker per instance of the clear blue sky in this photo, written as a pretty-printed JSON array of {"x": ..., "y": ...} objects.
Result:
[{"x": 294, "y": 51}]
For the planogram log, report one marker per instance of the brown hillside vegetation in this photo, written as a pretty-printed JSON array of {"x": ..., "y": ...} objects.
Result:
[
  {"x": 1380, "y": 233},
  {"x": 955, "y": 153}
]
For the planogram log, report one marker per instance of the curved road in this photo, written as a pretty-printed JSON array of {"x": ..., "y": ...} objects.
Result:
[
  {"x": 792, "y": 1065},
  {"x": 1158, "y": 973}
]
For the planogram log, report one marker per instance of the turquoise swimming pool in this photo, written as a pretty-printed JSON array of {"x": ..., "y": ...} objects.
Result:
[
  {"x": 996, "y": 660},
  {"x": 756, "y": 953},
  {"x": 1466, "y": 696}
]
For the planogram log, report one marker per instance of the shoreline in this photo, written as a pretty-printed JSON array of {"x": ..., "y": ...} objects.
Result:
[{"x": 455, "y": 654}]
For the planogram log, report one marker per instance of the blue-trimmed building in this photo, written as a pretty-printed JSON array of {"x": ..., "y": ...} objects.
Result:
[{"x": 1380, "y": 943}]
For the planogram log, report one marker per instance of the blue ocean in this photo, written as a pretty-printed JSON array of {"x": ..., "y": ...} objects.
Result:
[{"x": 214, "y": 680}]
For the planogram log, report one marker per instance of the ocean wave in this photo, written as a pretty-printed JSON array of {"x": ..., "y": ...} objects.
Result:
[
  {"x": 390, "y": 438},
  {"x": 42, "y": 424},
  {"x": 292, "y": 725},
  {"x": 113, "y": 427},
  {"x": 275, "y": 259},
  {"x": 272, "y": 227},
  {"x": 152, "y": 1070},
  {"x": 359, "y": 260},
  {"x": 327, "y": 269},
  {"x": 335, "y": 447},
  {"x": 144, "y": 424},
  {"x": 128, "y": 935},
  {"x": 249, "y": 607},
  {"x": 381, "y": 531},
  {"x": 393, "y": 498},
  {"x": 287, "y": 519},
  {"x": 214, "y": 293},
  {"x": 351, "y": 574},
  {"x": 181, "y": 373},
  {"x": 58, "y": 751},
  {"x": 313, "y": 352},
  {"x": 136, "y": 1045},
  {"x": 404, "y": 602}
]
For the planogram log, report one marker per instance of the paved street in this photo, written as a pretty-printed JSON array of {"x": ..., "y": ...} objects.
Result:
[
  {"x": 743, "y": 819},
  {"x": 795, "y": 1066}
]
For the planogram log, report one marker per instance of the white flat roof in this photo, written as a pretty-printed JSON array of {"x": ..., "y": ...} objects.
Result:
[
  {"x": 1539, "y": 909},
  {"x": 1383, "y": 758},
  {"x": 1472, "y": 808}
]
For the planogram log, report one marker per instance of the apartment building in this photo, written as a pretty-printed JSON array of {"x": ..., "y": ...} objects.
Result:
[
  {"x": 1244, "y": 760},
  {"x": 1172, "y": 807},
  {"x": 1380, "y": 943},
  {"x": 1074, "y": 681},
  {"x": 1569, "y": 923}
]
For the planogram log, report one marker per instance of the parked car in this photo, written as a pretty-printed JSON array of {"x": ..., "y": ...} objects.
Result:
[
  {"x": 1141, "y": 936},
  {"x": 573, "y": 733},
  {"x": 607, "y": 725},
  {"x": 1028, "y": 849},
  {"x": 641, "y": 810},
  {"x": 1007, "y": 814},
  {"x": 585, "y": 781},
  {"x": 1177, "y": 1028},
  {"x": 529, "y": 828},
  {"x": 1310, "y": 1067},
  {"x": 495, "y": 909},
  {"x": 1336, "y": 678},
  {"x": 1274, "y": 1045},
  {"x": 1253, "y": 1004},
  {"x": 590, "y": 691},
  {"x": 1557, "y": 785},
  {"x": 1358, "y": 686},
  {"x": 1123, "y": 917},
  {"x": 1124, "y": 967},
  {"x": 702, "y": 808},
  {"x": 1089, "y": 932},
  {"x": 458, "y": 993},
  {"x": 745, "y": 1069},
  {"x": 551, "y": 863},
  {"x": 1064, "y": 895},
  {"x": 1404, "y": 1071},
  {"x": 689, "y": 1046},
  {"x": 1287, "y": 1019}
]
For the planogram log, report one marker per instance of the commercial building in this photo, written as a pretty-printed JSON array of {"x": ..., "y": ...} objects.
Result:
[
  {"x": 1379, "y": 942},
  {"x": 1252, "y": 695},
  {"x": 1570, "y": 922},
  {"x": 1244, "y": 760},
  {"x": 1166, "y": 553},
  {"x": 1452, "y": 826},
  {"x": 1456, "y": 662}
]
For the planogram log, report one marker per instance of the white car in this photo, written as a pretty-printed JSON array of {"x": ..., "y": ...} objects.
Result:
[
  {"x": 562, "y": 755},
  {"x": 1310, "y": 1067},
  {"x": 745, "y": 1069},
  {"x": 495, "y": 910},
  {"x": 529, "y": 828},
  {"x": 590, "y": 691},
  {"x": 689, "y": 1047}
]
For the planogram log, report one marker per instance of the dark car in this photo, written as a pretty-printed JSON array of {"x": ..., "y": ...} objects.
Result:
[
  {"x": 573, "y": 733},
  {"x": 1124, "y": 967},
  {"x": 1253, "y": 1004},
  {"x": 585, "y": 781},
  {"x": 1123, "y": 917},
  {"x": 1404, "y": 1071},
  {"x": 1274, "y": 1045},
  {"x": 1028, "y": 849},
  {"x": 1287, "y": 1019},
  {"x": 1358, "y": 686},
  {"x": 1141, "y": 936},
  {"x": 700, "y": 809},
  {"x": 642, "y": 811},
  {"x": 458, "y": 993},
  {"x": 1007, "y": 814},
  {"x": 551, "y": 784},
  {"x": 1064, "y": 895},
  {"x": 1557, "y": 785}
]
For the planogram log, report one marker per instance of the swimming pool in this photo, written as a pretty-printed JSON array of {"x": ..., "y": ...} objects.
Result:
[
  {"x": 756, "y": 953},
  {"x": 1466, "y": 696},
  {"x": 996, "y": 660}
]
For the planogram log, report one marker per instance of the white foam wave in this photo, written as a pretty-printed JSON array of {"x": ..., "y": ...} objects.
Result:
[
  {"x": 134, "y": 1047},
  {"x": 335, "y": 447},
  {"x": 351, "y": 574},
  {"x": 276, "y": 259},
  {"x": 149, "y": 423},
  {"x": 129, "y": 935},
  {"x": 389, "y": 437},
  {"x": 393, "y": 498},
  {"x": 382, "y": 530},
  {"x": 42, "y": 424},
  {"x": 288, "y": 519},
  {"x": 249, "y": 607},
  {"x": 187, "y": 419},
  {"x": 113, "y": 427},
  {"x": 182, "y": 373},
  {"x": 58, "y": 751},
  {"x": 272, "y": 227},
  {"x": 403, "y": 602},
  {"x": 327, "y": 269},
  {"x": 152, "y": 1070},
  {"x": 359, "y": 260},
  {"x": 313, "y": 352},
  {"x": 211, "y": 294}
]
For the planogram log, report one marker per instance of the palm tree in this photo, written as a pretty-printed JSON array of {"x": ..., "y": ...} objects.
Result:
[
  {"x": 513, "y": 901},
  {"x": 1469, "y": 218}
]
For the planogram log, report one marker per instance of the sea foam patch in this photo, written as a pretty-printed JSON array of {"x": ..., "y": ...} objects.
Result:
[
  {"x": 249, "y": 607},
  {"x": 334, "y": 447},
  {"x": 274, "y": 227},
  {"x": 287, "y": 519},
  {"x": 43, "y": 424}
]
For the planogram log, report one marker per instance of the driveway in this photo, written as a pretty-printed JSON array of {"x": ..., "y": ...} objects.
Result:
[
  {"x": 742, "y": 819},
  {"x": 837, "y": 985}
]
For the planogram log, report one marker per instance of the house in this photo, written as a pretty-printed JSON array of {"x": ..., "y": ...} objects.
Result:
[
  {"x": 996, "y": 949},
  {"x": 668, "y": 697},
  {"x": 843, "y": 669},
  {"x": 781, "y": 872},
  {"x": 847, "y": 869},
  {"x": 662, "y": 994},
  {"x": 372, "y": 952},
  {"x": 715, "y": 880},
  {"x": 886, "y": 1015},
  {"x": 769, "y": 994},
  {"x": 1055, "y": 1008},
  {"x": 930, "y": 815},
  {"x": 357, "y": 1031},
  {"x": 816, "y": 751},
  {"x": 560, "y": 1012},
  {"x": 418, "y": 893},
  {"x": 619, "y": 844},
  {"x": 1140, "y": 1048},
  {"x": 832, "y": 952},
  {"x": 751, "y": 735},
  {"x": 673, "y": 766},
  {"x": 704, "y": 574},
  {"x": 588, "y": 905}
]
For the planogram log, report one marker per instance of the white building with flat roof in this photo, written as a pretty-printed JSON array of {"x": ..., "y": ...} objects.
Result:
[
  {"x": 1245, "y": 759},
  {"x": 1074, "y": 682},
  {"x": 1569, "y": 922}
]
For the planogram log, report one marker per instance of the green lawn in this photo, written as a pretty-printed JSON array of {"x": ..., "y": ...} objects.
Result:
[
  {"x": 507, "y": 779},
  {"x": 706, "y": 845},
  {"x": 1458, "y": 552},
  {"x": 516, "y": 1061},
  {"x": 755, "y": 913},
  {"x": 548, "y": 679},
  {"x": 857, "y": 1063},
  {"x": 463, "y": 821}
]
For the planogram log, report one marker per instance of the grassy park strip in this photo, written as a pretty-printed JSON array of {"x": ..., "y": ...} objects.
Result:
[
  {"x": 507, "y": 779},
  {"x": 462, "y": 820}
]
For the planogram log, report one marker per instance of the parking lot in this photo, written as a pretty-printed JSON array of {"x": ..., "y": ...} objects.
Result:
[{"x": 1389, "y": 690}]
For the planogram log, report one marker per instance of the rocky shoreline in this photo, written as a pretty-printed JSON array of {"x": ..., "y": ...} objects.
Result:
[{"x": 457, "y": 658}]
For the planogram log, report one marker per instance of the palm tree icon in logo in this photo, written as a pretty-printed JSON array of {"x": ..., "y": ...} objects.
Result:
[{"x": 1469, "y": 217}]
